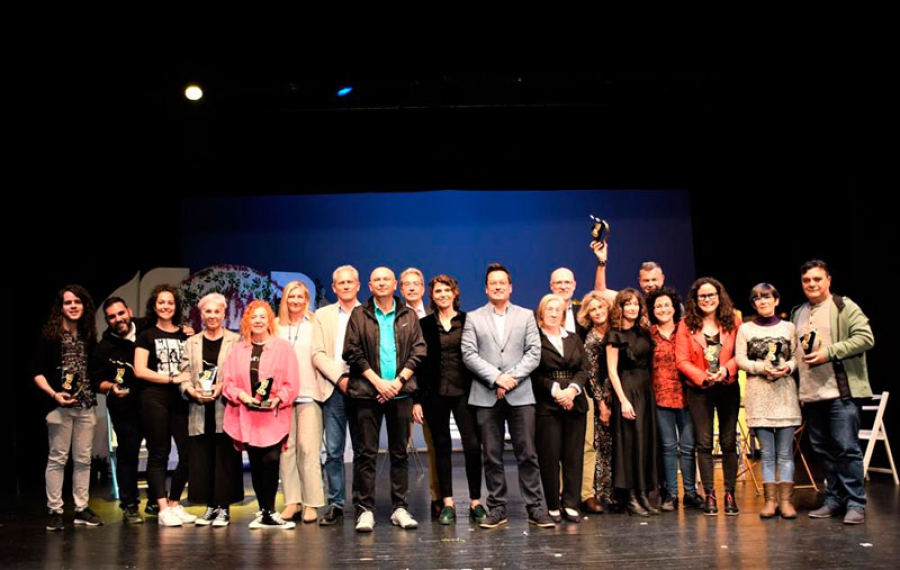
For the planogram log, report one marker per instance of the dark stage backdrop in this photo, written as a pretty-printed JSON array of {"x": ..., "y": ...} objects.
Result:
[{"x": 458, "y": 232}]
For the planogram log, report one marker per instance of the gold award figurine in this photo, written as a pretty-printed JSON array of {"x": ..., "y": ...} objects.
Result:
[
  {"x": 207, "y": 377},
  {"x": 599, "y": 229},
  {"x": 808, "y": 342}
]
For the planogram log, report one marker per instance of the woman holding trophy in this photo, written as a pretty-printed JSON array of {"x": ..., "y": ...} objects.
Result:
[
  {"x": 216, "y": 468},
  {"x": 260, "y": 379},
  {"x": 704, "y": 353},
  {"x": 767, "y": 349}
]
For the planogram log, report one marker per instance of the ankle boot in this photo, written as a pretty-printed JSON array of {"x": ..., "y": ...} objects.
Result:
[
  {"x": 710, "y": 505},
  {"x": 644, "y": 500},
  {"x": 770, "y": 490},
  {"x": 633, "y": 506},
  {"x": 786, "y": 495}
]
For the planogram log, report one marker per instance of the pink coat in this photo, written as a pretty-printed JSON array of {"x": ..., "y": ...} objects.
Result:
[{"x": 260, "y": 428}]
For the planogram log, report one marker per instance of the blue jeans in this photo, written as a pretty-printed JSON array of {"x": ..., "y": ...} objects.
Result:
[
  {"x": 833, "y": 428},
  {"x": 776, "y": 445},
  {"x": 334, "y": 414},
  {"x": 676, "y": 430}
]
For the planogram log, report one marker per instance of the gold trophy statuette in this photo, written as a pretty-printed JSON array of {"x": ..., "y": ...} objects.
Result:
[{"x": 599, "y": 229}]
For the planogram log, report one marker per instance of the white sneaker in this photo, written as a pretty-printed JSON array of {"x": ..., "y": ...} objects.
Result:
[
  {"x": 223, "y": 517},
  {"x": 365, "y": 522},
  {"x": 168, "y": 517},
  {"x": 208, "y": 517},
  {"x": 182, "y": 514},
  {"x": 401, "y": 517}
]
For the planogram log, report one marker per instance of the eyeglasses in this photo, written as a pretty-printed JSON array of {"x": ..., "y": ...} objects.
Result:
[
  {"x": 412, "y": 283},
  {"x": 767, "y": 296},
  {"x": 707, "y": 296},
  {"x": 562, "y": 283}
]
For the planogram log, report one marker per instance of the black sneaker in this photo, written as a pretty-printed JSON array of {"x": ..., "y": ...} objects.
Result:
[
  {"x": 494, "y": 519},
  {"x": 87, "y": 517},
  {"x": 478, "y": 513},
  {"x": 54, "y": 521},
  {"x": 151, "y": 509},
  {"x": 333, "y": 515},
  {"x": 131, "y": 516},
  {"x": 541, "y": 519},
  {"x": 692, "y": 501}
]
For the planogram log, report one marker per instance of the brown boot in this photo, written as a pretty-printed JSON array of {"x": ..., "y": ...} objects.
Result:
[
  {"x": 785, "y": 495},
  {"x": 770, "y": 491}
]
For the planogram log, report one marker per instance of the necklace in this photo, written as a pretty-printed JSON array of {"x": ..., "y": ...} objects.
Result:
[{"x": 293, "y": 336}]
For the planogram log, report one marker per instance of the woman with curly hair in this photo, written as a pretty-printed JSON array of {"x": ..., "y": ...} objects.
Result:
[
  {"x": 60, "y": 369},
  {"x": 157, "y": 361},
  {"x": 629, "y": 352},
  {"x": 704, "y": 354}
]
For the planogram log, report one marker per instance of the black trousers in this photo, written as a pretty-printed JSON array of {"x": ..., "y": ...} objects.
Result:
[
  {"x": 520, "y": 419},
  {"x": 560, "y": 444},
  {"x": 724, "y": 400},
  {"x": 264, "y": 464},
  {"x": 397, "y": 414},
  {"x": 437, "y": 412},
  {"x": 128, "y": 438},
  {"x": 164, "y": 417}
]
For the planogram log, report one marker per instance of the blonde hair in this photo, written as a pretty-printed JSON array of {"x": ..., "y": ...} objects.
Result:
[
  {"x": 284, "y": 318},
  {"x": 584, "y": 317},
  {"x": 546, "y": 300}
]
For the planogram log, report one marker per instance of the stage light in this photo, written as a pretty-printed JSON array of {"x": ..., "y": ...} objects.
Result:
[
  {"x": 344, "y": 91},
  {"x": 193, "y": 92}
]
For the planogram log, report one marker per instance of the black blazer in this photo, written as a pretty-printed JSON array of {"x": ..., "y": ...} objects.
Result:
[
  {"x": 574, "y": 363},
  {"x": 429, "y": 372}
]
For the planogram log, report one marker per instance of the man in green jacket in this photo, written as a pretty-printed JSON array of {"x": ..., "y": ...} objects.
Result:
[{"x": 834, "y": 336}]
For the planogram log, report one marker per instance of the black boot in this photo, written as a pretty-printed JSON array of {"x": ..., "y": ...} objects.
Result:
[
  {"x": 644, "y": 500},
  {"x": 634, "y": 507}
]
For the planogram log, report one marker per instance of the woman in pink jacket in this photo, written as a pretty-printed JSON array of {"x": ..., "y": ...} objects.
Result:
[
  {"x": 704, "y": 354},
  {"x": 260, "y": 381}
]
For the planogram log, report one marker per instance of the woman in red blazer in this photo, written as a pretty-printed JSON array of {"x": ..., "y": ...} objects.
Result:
[{"x": 704, "y": 353}]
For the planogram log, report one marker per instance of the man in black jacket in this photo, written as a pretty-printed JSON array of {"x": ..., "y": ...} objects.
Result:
[
  {"x": 112, "y": 373},
  {"x": 383, "y": 347}
]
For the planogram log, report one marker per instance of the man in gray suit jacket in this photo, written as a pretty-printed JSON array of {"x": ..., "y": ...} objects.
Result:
[{"x": 501, "y": 346}]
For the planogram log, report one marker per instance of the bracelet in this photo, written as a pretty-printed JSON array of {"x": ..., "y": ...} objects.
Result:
[
  {"x": 601, "y": 263},
  {"x": 53, "y": 395}
]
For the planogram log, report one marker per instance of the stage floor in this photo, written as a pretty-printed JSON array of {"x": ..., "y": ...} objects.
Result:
[{"x": 684, "y": 539}]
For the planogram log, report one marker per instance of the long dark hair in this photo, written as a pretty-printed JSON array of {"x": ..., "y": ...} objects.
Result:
[
  {"x": 693, "y": 316},
  {"x": 87, "y": 326},
  {"x": 617, "y": 316}
]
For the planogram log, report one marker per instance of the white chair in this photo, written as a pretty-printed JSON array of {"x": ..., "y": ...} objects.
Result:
[{"x": 875, "y": 434}]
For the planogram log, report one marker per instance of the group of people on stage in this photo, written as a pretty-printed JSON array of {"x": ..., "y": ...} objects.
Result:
[{"x": 603, "y": 399}]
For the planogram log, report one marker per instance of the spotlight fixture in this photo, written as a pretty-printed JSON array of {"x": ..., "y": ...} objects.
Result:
[{"x": 344, "y": 91}]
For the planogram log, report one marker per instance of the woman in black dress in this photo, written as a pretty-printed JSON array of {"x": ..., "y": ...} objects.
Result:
[{"x": 629, "y": 353}]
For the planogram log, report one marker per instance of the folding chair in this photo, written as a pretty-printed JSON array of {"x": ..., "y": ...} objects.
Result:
[
  {"x": 875, "y": 434},
  {"x": 798, "y": 435},
  {"x": 747, "y": 456}
]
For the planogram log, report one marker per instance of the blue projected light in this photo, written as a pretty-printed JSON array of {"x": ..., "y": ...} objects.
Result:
[{"x": 344, "y": 91}]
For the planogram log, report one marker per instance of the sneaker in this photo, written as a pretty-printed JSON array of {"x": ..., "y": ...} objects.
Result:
[
  {"x": 55, "y": 521},
  {"x": 223, "y": 517},
  {"x": 731, "y": 508},
  {"x": 494, "y": 519},
  {"x": 448, "y": 515},
  {"x": 208, "y": 517},
  {"x": 365, "y": 522},
  {"x": 692, "y": 501},
  {"x": 186, "y": 517},
  {"x": 131, "y": 516},
  {"x": 87, "y": 517},
  {"x": 401, "y": 517},
  {"x": 333, "y": 515},
  {"x": 151, "y": 509},
  {"x": 541, "y": 519},
  {"x": 272, "y": 519},
  {"x": 478, "y": 513},
  {"x": 168, "y": 517},
  {"x": 855, "y": 515},
  {"x": 826, "y": 511}
]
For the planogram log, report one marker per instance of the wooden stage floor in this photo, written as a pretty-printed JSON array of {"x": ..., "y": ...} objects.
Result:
[{"x": 684, "y": 539}]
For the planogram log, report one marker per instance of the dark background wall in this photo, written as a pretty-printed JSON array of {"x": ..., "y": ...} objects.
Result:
[{"x": 775, "y": 175}]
